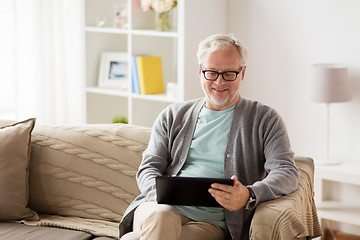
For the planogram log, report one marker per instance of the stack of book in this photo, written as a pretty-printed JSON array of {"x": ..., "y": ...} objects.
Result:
[{"x": 147, "y": 75}]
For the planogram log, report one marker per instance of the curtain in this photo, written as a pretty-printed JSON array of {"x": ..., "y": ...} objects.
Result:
[
  {"x": 49, "y": 67},
  {"x": 7, "y": 59}
]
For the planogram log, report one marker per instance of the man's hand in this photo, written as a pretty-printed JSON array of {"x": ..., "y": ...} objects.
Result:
[{"x": 232, "y": 198}]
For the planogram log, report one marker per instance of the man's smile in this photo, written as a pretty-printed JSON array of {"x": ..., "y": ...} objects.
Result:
[{"x": 220, "y": 90}]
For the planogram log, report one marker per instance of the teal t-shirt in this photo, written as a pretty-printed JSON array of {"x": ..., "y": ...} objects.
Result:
[{"x": 206, "y": 159}]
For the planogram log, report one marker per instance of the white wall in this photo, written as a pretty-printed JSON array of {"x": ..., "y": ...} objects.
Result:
[{"x": 284, "y": 38}]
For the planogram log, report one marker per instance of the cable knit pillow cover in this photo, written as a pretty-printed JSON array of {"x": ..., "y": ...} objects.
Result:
[
  {"x": 85, "y": 170},
  {"x": 15, "y": 142}
]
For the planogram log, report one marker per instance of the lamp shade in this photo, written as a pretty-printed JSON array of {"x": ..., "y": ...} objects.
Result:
[{"x": 330, "y": 83}]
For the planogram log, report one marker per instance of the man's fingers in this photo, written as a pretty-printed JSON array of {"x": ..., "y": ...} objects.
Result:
[
  {"x": 230, "y": 197},
  {"x": 235, "y": 179},
  {"x": 219, "y": 193},
  {"x": 222, "y": 187},
  {"x": 223, "y": 198}
]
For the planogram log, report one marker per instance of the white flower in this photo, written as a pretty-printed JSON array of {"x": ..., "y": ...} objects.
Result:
[
  {"x": 146, "y": 5},
  {"x": 158, "y": 5},
  {"x": 163, "y": 5}
]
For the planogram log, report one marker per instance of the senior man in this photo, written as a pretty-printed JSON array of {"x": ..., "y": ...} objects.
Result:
[{"x": 223, "y": 135}]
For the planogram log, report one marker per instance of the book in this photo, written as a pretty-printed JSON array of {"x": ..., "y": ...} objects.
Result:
[
  {"x": 134, "y": 76},
  {"x": 150, "y": 74}
]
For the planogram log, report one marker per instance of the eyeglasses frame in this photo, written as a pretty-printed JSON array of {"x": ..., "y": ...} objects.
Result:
[{"x": 221, "y": 73}]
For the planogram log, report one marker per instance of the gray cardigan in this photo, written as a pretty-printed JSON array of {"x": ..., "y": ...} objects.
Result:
[{"x": 258, "y": 153}]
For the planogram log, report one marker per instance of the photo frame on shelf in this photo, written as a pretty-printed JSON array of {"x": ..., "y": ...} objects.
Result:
[{"x": 113, "y": 71}]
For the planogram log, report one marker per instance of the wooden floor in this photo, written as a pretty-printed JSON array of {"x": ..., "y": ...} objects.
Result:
[{"x": 334, "y": 235}]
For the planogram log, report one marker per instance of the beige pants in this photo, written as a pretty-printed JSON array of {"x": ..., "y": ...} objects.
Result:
[{"x": 154, "y": 221}]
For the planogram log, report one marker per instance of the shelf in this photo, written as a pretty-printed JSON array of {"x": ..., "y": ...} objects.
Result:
[
  {"x": 138, "y": 32},
  {"x": 344, "y": 172},
  {"x": 154, "y": 33},
  {"x": 339, "y": 212},
  {"x": 154, "y": 97},
  {"x": 107, "y": 30},
  {"x": 177, "y": 49},
  {"x": 332, "y": 184},
  {"x": 106, "y": 91},
  {"x": 119, "y": 93}
]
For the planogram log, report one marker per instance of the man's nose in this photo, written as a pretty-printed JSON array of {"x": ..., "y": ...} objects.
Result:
[{"x": 220, "y": 78}]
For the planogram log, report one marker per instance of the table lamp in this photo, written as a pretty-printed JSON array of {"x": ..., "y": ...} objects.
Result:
[{"x": 330, "y": 83}]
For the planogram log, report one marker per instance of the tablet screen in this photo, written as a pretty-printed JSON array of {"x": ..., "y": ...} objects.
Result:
[{"x": 188, "y": 191}]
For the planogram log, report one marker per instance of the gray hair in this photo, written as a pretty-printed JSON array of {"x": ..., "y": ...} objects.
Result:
[{"x": 221, "y": 41}]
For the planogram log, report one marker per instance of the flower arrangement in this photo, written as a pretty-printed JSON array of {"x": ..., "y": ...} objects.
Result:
[
  {"x": 162, "y": 9},
  {"x": 158, "y": 6}
]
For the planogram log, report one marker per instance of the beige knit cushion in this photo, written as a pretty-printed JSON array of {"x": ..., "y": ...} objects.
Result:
[
  {"x": 85, "y": 170},
  {"x": 14, "y": 162}
]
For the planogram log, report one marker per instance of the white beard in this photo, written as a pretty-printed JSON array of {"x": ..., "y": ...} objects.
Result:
[{"x": 216, "y": 102}]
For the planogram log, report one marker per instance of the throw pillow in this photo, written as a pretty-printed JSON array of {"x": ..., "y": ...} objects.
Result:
[{"x": 15, "y": 140}]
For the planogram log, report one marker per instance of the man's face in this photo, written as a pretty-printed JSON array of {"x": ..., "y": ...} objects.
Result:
[{"x": 221, "y": 94}]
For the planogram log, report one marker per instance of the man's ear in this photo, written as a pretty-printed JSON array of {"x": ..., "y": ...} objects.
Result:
[
  {"x": 199, "y": 71},
  {"x": 243, "y": 73}
]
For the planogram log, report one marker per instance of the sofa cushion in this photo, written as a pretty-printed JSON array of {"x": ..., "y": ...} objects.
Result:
[
  {"x": 15, "y": 142},
  {"x": 15, "y": 231},
  {"x": 85, "y": 171},
  {"x": 94, "y": 227}
]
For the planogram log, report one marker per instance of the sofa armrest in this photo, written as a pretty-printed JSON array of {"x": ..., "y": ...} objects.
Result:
[{"x": 291, "y": 216}]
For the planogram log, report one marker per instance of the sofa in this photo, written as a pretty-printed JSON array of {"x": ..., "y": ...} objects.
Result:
[{"x": 75, "y": 182}]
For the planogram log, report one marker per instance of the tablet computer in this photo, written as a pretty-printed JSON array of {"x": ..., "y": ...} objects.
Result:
[{"x": 188, "y": 191}]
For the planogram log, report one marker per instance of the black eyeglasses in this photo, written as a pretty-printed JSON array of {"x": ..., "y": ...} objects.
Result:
[{"x": 227, "y": 75}]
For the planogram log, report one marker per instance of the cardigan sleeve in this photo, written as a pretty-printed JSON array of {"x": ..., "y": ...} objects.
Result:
[
  {"x": 155, "y": 159},
  {"x": 169, "y": 144},
  {"x": 282, "y": 174}
]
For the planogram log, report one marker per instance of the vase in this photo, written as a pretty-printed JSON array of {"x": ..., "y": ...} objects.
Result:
[{"x": 162, "y": 21}]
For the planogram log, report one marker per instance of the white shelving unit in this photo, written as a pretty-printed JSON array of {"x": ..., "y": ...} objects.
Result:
[
  {"x": 331, "y": 183},
  {"x": 192, "y": 21}
]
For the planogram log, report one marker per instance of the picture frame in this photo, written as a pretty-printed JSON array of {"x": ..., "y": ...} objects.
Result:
[{"x": 113, "y": 71}]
